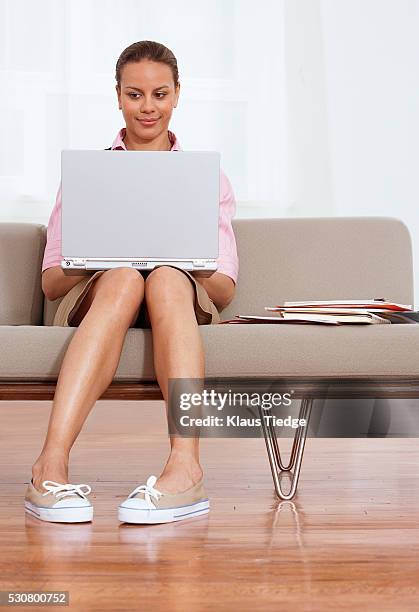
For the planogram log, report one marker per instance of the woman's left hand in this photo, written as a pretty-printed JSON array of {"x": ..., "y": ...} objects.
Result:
[{"x": 219, "y": 287}]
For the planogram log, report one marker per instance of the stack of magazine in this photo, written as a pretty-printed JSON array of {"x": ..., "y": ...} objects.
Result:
[{"x": 378, "y": 311}]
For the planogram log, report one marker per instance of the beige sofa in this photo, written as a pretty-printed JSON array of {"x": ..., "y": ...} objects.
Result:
[{"x": 280, "y": 259}]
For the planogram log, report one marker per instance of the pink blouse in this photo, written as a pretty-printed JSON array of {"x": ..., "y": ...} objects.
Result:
[{"x": 227, "y": 261}]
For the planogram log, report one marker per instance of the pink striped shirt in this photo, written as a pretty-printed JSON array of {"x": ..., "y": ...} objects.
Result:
[{"x": 227, "y": 261}]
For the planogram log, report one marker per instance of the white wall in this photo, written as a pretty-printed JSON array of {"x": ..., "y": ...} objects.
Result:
[
  {"x": 371, "y": 55},
  {"x": 351, "y": 112}
]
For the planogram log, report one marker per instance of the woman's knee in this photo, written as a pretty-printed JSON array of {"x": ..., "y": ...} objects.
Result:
[
  {"x": 166, "y": 284},
  {"x": 114, "y": 285},
  {"x": 120, "y": 282}
]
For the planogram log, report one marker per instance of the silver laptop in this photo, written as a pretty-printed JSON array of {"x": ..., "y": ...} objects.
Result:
[{"x": 139, "y": 209}]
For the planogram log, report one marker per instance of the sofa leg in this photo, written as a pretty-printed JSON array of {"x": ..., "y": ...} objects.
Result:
[{"x": 278, "y": 468}]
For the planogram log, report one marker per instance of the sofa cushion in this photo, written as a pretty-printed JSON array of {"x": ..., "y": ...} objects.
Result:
[
  {"x": 21, "y": 253},
  {"x": 35, "y": 353}
]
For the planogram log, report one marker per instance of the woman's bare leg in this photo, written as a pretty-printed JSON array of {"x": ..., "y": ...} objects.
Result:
[
  {"x": 108, "y": 309},
  {"x": 178, "y": 353}
]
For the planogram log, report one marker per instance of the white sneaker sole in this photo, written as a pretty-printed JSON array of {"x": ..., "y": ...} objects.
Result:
[
  {"x": 163, "y": 515},
  {"x": 60, "y": 515}
]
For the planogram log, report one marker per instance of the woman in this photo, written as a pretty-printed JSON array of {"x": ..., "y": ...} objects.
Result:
[{"x": 103, "y": 306}]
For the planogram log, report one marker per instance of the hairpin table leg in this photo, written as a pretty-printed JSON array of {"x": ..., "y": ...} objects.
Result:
[{"x": 294, "y": 466}]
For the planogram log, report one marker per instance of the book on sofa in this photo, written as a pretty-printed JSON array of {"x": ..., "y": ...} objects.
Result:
[
  {"x": 307, "y": 317},
  {"x": 368, "y": 304},
  {"x": 375, "y": 311}
]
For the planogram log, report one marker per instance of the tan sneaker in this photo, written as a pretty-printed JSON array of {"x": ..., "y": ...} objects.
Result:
[
  {"x": 145, "y": 504},
  {"x": 61, "y": 503}
]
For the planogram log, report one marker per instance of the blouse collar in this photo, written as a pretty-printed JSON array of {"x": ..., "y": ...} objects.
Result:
[{"x": 119, "y": 143}]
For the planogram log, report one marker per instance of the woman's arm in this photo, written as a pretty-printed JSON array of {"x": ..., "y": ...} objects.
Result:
[
  {"x": 55, "y": 283},
  {"x": 219, "y": 287}
]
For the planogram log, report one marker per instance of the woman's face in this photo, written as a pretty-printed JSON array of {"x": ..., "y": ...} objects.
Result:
[{"x": 147, "y": 92}]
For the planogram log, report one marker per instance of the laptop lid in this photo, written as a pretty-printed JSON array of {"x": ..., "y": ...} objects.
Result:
[{"x": 140, "y": 204}]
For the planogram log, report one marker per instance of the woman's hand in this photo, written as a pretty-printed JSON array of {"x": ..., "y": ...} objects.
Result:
[
  {"x": 219, "y": 287},
  {"x": 55, "y": 283}
]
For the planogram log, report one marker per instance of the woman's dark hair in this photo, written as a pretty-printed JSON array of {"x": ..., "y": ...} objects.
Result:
[{"x": 147, "y": 49}]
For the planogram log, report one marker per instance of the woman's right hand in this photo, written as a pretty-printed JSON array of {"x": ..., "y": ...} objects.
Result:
[{"x": 55, "y": 283}]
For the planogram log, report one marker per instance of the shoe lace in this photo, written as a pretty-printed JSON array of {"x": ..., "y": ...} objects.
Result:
[
  {"x": 148, "y": 490},
  {"x": 61, "y": 490}
]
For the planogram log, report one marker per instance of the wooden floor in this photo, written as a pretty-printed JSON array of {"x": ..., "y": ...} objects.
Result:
[{"x": 350, "y": 541}]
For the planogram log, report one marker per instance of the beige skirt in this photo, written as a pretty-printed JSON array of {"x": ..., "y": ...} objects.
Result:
[{"x": 205, "y": 309}]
